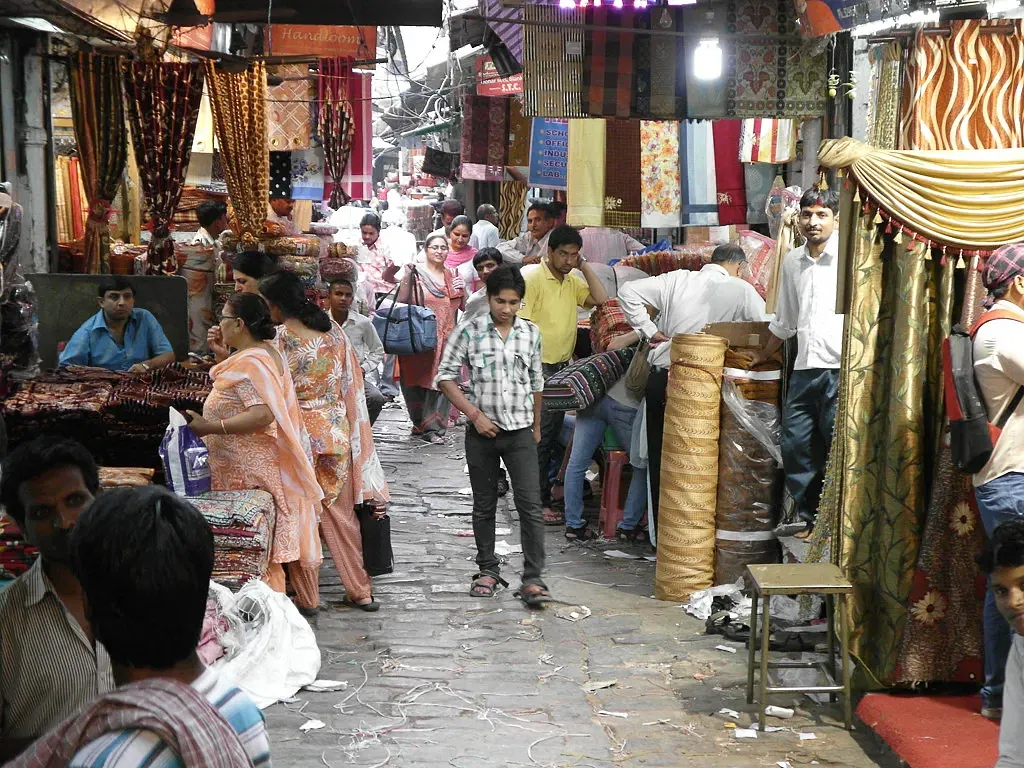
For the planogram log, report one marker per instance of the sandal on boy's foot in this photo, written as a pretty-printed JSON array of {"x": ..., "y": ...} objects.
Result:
[
  {"x": 553, "y": 516},
  {"x": 485, "y": 585},
  {"x": 534, "y": 595},
  {"x": 371, "y": 607},
  {"x": 635, "y": 536},
  {"x": 583, "y": 533}
]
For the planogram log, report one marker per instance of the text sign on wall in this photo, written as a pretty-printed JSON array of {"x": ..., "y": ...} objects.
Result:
[
  {"x": 489, "y": 83},
  {"x": 325, "y": 41},
  {"x": 549, "y": 153}
]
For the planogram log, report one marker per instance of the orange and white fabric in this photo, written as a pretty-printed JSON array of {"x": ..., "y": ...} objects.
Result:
[{"x": 767, "y": 141}]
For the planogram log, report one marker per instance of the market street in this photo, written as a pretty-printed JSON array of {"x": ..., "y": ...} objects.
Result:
[{"x": 437, "y": 678}]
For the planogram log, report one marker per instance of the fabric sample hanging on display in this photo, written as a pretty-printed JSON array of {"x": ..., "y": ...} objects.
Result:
[
  {"x": 622, "y": 174},
  {"x": 336, "y": 125},
  {"x": 947, "y": 106},
  {"x": 767, "y": 141},
  {"x": 552, "y": 71},
  {"x": 519, "y": 131},
  {"x": 307, "y": 167},
  {"x": 101, "y": 132},
  {"x": 586, "y": 176},
  {"x": 343, "y": 84},
  {"x": 883, "y": 119},
  {"x": 732, "y": 195},
  {"x": 512, "y": 205},
  {"x": 484, "y": 137},
  {"x": 699, "y": 184},
  {"x": 757, "y": 181},
  {"x": 609, "y": 79},
  {"x": 288, "y": 108},
  {"x": 660, "y": 185},
  {"x": 205, "y": 138},
  {"x": 668, "y": 68}
]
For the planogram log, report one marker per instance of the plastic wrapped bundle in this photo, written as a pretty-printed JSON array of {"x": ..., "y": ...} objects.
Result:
[{"x": 689, "y": 467}]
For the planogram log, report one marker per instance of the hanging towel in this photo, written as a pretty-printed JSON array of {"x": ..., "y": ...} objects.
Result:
[
  {"x": 660, "y": 187},
  {"x": 622, "y": 174},
  {"x": 585, "y": 193},
  {"x": 767, "y": 141},
  {"x": 732, "y": 193},
  {"x": 700, "y": 187}
]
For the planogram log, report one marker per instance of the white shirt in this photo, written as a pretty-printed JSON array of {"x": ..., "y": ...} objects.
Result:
[
  {"x": 1011, "y": 729},
  {"x": 523, "y": 247},
  {"x": 476, "y": 305},
  {"x": 603, "y": 244},
  {"x": 485, "y": 235},
  {"x": 687, "y": 301},
  {"x": 204, "y": 238},
  {"x": 287, "y": 222},
  {"x": 806, "y": 306},
  {"x": 365, "y": 341},
  {"x": 999, "y": 371}
]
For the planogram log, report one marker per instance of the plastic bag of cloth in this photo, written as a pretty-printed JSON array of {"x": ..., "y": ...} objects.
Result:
[
  {"x": 270, "y": 650},
  {"x": 749, "y": 484},
  {"x": 662, "y": 245},
  {"x": 185, "y": 458}
]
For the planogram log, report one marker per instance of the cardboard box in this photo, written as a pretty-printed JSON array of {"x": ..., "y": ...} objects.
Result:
[
  {"x": 741, "y": 334},
  {"x": 716, "y": 235}
]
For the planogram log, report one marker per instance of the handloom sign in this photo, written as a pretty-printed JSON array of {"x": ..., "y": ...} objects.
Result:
[
  {"x": 324, "y": 41},
  {"x": 549, "y": 153}
]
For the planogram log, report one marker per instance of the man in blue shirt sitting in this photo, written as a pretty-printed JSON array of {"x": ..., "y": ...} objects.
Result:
[{"x": 119, "y": 337}]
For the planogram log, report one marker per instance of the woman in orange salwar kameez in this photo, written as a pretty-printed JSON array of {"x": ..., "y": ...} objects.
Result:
[
  {"x": 328, "y": 382},
  {"x": 252, "y": 426}
]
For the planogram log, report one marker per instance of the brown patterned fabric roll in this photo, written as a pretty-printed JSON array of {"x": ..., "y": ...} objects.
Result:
[{"x": 689, "y": 467}]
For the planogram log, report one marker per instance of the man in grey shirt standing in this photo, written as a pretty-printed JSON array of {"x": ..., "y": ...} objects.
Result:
[{"x": 363, "y": 336}]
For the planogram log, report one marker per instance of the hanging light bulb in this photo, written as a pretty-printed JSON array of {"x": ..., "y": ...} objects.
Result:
[
  {"x": 707, "y": 59},
  {"x": 566, "y": 3}
]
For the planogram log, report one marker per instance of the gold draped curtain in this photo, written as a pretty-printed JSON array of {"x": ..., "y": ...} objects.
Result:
[
  {"x": 963, "y": 200},
  {"x": 238, "y": 101}
]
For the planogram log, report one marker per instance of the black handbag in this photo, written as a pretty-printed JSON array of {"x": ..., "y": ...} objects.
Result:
[{"x": 378, "y": 558}]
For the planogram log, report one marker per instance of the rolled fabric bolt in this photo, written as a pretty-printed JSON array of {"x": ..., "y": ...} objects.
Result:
[{"x": 783, "y": 713}]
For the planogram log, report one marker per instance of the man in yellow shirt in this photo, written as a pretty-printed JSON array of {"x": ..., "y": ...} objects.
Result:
[{"x": 553, "y": 294}]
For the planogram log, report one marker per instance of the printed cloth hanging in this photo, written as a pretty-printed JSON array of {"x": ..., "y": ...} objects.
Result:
[
  {"x": 699, "y": 181},
  {"x": 938, "y": 196},
  {"x": 732, "y": 195},
  {"x": 336, "y": 126},
  {"x": 357, "y": 181},
  {"x": 97, "y": 104},
  {"x": 764, "y": 140},
  {"x": 308, "y": 175},
  {"x": 667, "y": 94},
  {"x": 660, "y": 184},
  {"x": 609, "y": 77},
  {"x": 239, "y": 112},
  {"x": 949, "y": 106},
  {"x": 288, "y": 108},
  {"x": 586, "y": 176},
  {"x": 484, "y": 137},
  {"x": 552, "y": 76},
  {"x": 519, "y": 130},
  {"x": 622, "y": 174},
  {"x": 511, "y": 205},
  {"x": 163, "y": 107},
  {"x": 886, "y": 84},
  {"x": 757, "y": 182}
]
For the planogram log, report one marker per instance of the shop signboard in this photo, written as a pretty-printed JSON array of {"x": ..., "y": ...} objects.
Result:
[
  {"x": 490, "y": 83},
  {"x": 549, "y": 153},
  {"x": 324, "y": 41}
]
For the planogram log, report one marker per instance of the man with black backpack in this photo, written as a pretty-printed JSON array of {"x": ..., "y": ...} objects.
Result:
[{"x": 999, "y": 485}]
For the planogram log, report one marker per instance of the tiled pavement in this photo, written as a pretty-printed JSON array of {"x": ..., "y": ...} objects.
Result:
[{"x": 438, "y": 678}]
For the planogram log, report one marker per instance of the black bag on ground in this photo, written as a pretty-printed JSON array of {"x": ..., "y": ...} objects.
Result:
[{"x": 378, "y": 557}]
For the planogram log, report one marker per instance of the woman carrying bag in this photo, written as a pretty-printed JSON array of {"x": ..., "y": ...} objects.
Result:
[{"x": 440, "y": 290}]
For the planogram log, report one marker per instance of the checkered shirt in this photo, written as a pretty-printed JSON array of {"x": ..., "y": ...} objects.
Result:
[{"x": 503, "y": 373}]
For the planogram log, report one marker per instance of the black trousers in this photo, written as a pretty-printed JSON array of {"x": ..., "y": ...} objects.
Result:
[
  {"x": 550, "y": 429},
  {"x": 657, "y": 394}
]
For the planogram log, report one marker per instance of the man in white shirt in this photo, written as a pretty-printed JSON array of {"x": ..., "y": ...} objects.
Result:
[
  {"x": 213, "y": 219},
  {"x": 533, "y": 246},
  {"x": 485, "y": 262},
  {"x": 1003, "y": 562},
  {"x": 684, "y": 302},
  {"x": 806, "y": 308},
  {"x": 999, "y": 486},
  {"x": 485, "y": 231},
  {"x": 365, "y": 341},
  {"x": 449, "y": 210},
  {"x": 603, "y": 245}
]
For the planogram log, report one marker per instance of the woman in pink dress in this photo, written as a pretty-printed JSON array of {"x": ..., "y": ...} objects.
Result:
[
  {"x": 460, "y": 252},
  {"x": 441, "y": 290}
]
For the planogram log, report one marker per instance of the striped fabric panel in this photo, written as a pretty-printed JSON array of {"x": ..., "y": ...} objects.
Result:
[
  {"x": 552, "y": 63},
  {"x": 502, "y": 21},
  {"x": 965, "y": 91}
]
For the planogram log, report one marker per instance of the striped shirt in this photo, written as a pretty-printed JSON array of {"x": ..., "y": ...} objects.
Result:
[
  {"x": 48, "y": 666},
  {"x": 138, "y": 748},
  {"x": 503, "y": 373}
]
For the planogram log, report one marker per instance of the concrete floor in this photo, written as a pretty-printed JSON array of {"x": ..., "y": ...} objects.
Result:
[{"x": 438, "y": 678}]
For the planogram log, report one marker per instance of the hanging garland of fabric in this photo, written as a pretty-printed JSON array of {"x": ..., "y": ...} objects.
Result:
[
  {"x": 97, "y": 105},
  {"x": 336, "y": 123},
  {"x": 239, "y": 104},
  {"x": 163, "y": 108}
]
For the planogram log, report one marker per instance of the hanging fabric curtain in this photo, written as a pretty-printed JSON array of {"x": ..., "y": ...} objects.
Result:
[
  {"x": 965, "y": 200},
  {"x": 97, "y": 106},
  {"x": 950, "y": 105},
  {"x": 585, "y": 191},
  {"x": 163, "y": 108},
  {"x": 239, "y": 113},
  {"x": 336, "y": 123}
]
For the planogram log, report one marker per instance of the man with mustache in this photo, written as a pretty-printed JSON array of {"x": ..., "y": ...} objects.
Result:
[
  {"x": 50, "y": 663},
  {"x": 806, "y": 308}
]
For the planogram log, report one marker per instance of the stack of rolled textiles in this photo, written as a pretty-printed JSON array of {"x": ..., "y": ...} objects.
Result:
[
  {"x": 692, "y": 256},
  {"x": 243, "y": 531},
  {"x": 16, "y": 556}
]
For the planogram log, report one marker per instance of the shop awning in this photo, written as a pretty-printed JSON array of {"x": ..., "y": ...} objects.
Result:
[{"x": 409, "y": 13}]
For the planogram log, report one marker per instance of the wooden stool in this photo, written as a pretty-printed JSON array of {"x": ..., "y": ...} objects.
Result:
[{"x": 800, "y": 579}]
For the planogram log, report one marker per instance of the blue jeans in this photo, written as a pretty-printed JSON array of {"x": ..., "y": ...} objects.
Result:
[
  {"x": 998, "y": 500},
  {"x": 807, "y": 422},
  {"x": 591, "y": 424}
]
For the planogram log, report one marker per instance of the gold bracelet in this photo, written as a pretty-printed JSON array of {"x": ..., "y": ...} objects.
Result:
[{"x": 223, "y": 427}]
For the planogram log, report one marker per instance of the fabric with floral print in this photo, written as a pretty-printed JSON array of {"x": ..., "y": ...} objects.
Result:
[{"x": 660, "y": 184}]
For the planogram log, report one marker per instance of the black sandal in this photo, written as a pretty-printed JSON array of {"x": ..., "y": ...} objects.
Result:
[
  {"x": 535, "y": 599},
  {"x": 583, "y": 533},
  {"x": 486, "y": 590},
  {"x": 371, "y": 607}
]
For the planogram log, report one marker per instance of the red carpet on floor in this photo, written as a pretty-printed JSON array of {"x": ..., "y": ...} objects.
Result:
[{"x": 933, "y": 731}]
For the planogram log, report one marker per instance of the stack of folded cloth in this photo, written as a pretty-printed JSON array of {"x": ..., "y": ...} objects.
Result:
[
  {"x": 243, "y": 531},
  {"x": 73, "y": 410},
  {"x": 16, "y": 556},
  {"x": 125, "y": 477}
]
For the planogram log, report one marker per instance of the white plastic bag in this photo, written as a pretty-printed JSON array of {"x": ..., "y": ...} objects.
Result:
[{"x": 186, "y": 460}]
